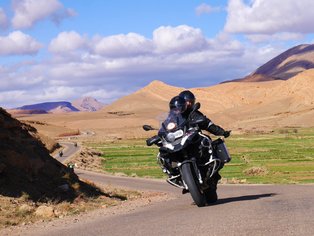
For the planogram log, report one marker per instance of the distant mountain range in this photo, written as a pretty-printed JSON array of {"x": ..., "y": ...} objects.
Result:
[
  {"x": 82, "y": 104},
  {"x": 284, "y": 66},
  {"x": 258, "y": 106}
]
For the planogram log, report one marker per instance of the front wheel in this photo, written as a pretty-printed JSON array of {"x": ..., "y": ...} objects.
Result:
[{"x": 189, "y": 177}]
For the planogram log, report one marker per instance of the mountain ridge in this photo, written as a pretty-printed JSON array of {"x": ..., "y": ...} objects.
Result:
[
  {"x": 284, "y": 66},
  {"x": 82, "y": 104}
]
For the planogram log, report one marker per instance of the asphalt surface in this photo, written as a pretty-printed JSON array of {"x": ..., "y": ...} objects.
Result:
[
  {"x": 240, "y": 210},
  {"x": 69, "y": 149}
]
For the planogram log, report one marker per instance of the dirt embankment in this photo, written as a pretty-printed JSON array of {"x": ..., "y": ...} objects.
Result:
[{"x": 35, "y": 185}]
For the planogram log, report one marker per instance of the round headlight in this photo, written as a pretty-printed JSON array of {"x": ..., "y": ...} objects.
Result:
[
  {"x": 171, "y": 137},
  {"x": 171, "y": 126}
]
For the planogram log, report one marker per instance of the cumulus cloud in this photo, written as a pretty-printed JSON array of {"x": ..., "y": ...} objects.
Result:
[
  {"x": 28, "y": 12},
  {"x": 110, "y": 67},
  {"x": 205, "y": 9},
  {"x": 3, "y": 19},
  {"x": 285, "y": 36},
  {"x": 18, "y": 43},
  {"x": 66, "y": 42},
  {"x": 122, "y": 45},
  {"x": 270, "y": 17},
  {"x": 178, "y": 39}
]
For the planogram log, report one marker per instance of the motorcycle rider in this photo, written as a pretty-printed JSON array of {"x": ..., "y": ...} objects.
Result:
[{"x": 207, "y": 125}]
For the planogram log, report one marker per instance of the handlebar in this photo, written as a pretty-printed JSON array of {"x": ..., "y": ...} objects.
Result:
[{"x": 153, "y": 140}]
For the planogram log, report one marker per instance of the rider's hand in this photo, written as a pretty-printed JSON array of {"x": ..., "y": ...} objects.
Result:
[{"x": 227, "y": 133}]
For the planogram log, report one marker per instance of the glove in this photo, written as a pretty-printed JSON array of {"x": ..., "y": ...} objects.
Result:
[{"x": 227, "y": 133}]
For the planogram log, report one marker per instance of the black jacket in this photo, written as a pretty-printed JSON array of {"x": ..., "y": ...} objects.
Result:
[{"x": 206, "y": 123}]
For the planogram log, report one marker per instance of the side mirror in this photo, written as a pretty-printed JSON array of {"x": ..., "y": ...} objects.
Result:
[
  {"x": 148, "y": 128},
  {"x": 196, "y": 106}
]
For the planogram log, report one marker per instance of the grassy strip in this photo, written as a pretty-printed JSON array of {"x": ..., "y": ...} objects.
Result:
[{"x": 283, "y": 156}]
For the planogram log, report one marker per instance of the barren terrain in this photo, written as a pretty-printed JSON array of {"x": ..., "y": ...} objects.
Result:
[{"x": 240, "y": 106}]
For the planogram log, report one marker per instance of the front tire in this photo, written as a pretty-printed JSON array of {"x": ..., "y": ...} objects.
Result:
[{"x": 190, "y": 180}]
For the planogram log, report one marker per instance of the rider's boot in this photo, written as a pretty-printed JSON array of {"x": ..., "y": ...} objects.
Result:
[{"x": 211, "y": 192}]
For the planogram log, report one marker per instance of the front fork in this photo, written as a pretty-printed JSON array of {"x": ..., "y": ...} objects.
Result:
[{"x": 195, "y": 168}]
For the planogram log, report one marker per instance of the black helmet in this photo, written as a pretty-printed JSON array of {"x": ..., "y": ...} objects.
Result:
[
  {"x": 188, "y": 97},
  {"x": 178, "y": 103}
]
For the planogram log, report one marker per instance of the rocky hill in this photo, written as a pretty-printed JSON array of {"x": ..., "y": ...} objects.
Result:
[
  {"x": 87, "y": 104},
  {"x": 27, "y": 168},
  {"x": 285, "y": 66}
]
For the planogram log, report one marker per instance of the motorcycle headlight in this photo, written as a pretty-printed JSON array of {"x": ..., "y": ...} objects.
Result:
[
  {"x": 171, "y": 126},
  {"x": 171, "y": 137}
]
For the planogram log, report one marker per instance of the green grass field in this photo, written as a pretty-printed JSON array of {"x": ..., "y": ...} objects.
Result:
[{"x": 283, "y": 156}]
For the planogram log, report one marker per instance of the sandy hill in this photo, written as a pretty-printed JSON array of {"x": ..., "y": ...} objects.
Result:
[
  {"x": 237, "y": 106},
  {"x": 27, "y": 168},
  {"x": 286, "y": 65},
  {"x": 123, "y": 118},
  {"x": 263, "y": 104}
]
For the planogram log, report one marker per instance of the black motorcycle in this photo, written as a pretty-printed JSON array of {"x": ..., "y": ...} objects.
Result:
[{"x": 189, "y": 158}]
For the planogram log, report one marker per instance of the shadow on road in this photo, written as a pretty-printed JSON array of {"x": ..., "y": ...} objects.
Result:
[{"x": 244, "y": 198}]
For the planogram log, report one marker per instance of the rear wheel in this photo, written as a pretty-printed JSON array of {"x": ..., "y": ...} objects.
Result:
[{"x": 190, "y": 180}]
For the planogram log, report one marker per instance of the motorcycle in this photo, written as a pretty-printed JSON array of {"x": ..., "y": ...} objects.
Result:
[{"x": 189, "y": 158}]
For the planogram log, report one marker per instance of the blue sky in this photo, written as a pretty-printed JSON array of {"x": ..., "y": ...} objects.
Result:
[{"x": 52, "y": 50}]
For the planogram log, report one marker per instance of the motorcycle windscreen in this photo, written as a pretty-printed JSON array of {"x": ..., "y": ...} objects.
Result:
[{"x": 173, "y": 122}]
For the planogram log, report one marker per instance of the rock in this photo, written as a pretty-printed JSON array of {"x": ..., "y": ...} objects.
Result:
[
  {"x": 45, "y": 211},
  {"x": 24, "y": 208}
]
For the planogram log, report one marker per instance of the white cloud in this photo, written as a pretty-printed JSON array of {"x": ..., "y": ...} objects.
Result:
[
  {"x": 107, "y": 95},
  {"x": 8, "y": 102},
  {"x": 56, "y": 93},
  {"x": 109, "y": 67},
  {"x": 205, "y": 9},
  {"x": 18, "y": 43},
  {"x": 178, "y": 39},
  {"x": 28, "y": 12},
  {"x": 285, "y": 36},
  {"x": 121, "y": 45},
  {"x": 3, "y": 19},
  {"x": 270, "y": 17},
  {"x": 66, "y": 42}
]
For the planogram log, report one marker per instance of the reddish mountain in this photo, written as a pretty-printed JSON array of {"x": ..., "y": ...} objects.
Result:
[
  {"x": 284, "y": 66},
  {"x": 87, "y": 104}
]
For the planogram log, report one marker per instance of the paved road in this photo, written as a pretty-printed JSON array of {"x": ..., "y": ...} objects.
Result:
[
  {"x": 240, "y": 210},
  {"x": 69, "y": 150}
]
